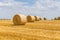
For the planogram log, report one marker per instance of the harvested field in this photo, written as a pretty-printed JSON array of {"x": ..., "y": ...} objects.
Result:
[{"x": 39, "y": 30}]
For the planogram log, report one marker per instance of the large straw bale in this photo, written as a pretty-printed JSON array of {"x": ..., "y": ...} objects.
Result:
[
  {"x": 37, "y": 18},
  {"x": 19, "y": 19},
  {"x": 30, "y": 18},
  {"x": 45, "y": 18}
]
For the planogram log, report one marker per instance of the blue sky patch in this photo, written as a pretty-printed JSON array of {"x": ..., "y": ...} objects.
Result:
[{"x": 30, "y": 2}]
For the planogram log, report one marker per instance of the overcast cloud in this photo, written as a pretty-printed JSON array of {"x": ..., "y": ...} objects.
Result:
[{"x": 43, "y": 8}]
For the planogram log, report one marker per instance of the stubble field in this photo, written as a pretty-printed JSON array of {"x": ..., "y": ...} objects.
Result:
[{"x": 39, "y": 30}]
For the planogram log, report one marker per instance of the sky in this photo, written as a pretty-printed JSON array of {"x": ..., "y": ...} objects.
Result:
[{"x": 42, "y": 8}]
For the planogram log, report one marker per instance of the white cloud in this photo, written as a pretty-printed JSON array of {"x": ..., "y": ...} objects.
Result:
[
  {"x": 44, "y": 8},
  {"x": 5, "y": 4},
  {"x": 11, "y": 3}
]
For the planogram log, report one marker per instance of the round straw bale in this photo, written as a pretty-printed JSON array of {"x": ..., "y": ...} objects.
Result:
[
  {"x": 19, "y": 19},
  {"x": 30, "y": 18},
  {"x": 40, "y": 18},
  {"x": 37, "y": 18}
]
